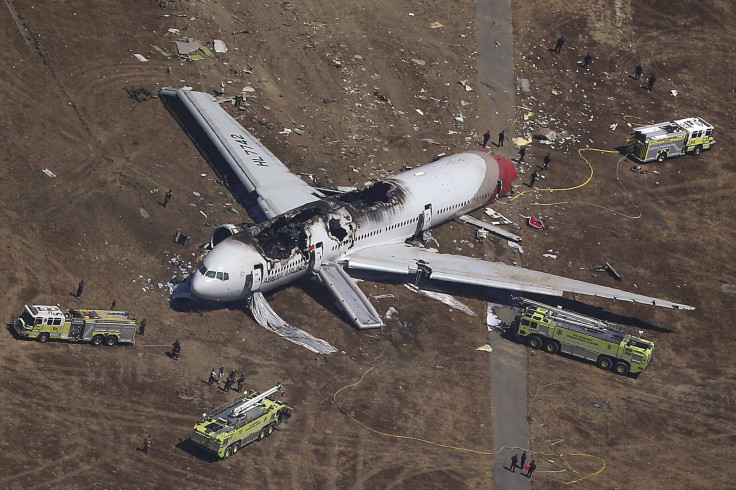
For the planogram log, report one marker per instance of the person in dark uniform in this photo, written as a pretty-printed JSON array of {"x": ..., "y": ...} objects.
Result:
[
  {"x": 514, "y": 460},
  {"x": 547, "y": 159},
  {"x": 501, "y": 137},
  {"x": 486, "y": 137},
  {"x": 587, "y": 60},
  {"x": 176, "y": 349},
  {"x": 80, "y": 289},
  {"x": 213, "y": 377},
  {"x": 637, "y": 71},
  {"x": 147, "y": 443},
  {"x": 167, "y": 198},
  {"x": 522, "y": 152},
  {"x": 114, "y": 302},
  {"x": 143, "y": 327},
  {"x": 532, "y": 467},
  {"x": 560, "y": 43},
  {"x": 228, "y": 383},
  {"x": 650, "y": 83},
  {"x": 241, "y": 380}
]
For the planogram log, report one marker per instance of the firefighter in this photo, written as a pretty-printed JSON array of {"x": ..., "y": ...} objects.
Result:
[
  {"x": 560, "y": 43},
  {"x": 535, "y": 176},
  {"x": 176, "y": 349},
  {"x": 514, "y": 460},
  {"x": 587, "y": 60},
  {"x": 213, "y": 377},
  {"x": 522, "y": 152},
  {"x": 80, "y": 289},
  {"x": 241, "y": 380},
  {"x": 486, "y": 137},
  {"x": 167, "y": 198},
  {"x": 228, "y": 383},
  {"x": 637, "y": 71},
  {"x": 143, "y": 327},
  {"x": 650, "y": 82},
  {"x": 501, "y": 137},
  {"x": 147, "y": 443},
  {"x": 547, "y": 159}
]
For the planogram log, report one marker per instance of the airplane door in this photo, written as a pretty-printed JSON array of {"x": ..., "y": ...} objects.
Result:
[
  {"x": 427, "y": 217},
  {"x": 317, "y": 253},
  {"x": 257, "y": 277}
]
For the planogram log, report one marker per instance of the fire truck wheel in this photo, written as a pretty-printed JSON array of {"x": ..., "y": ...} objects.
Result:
[
  {"x": 621, "y": 368},
  {"x": 228, "y": 452},
  {"x": 552, "y": 346},
  {"x": 604, "y": 362},
  {"x": 262, "y": 435},
  {"x": 535, "y": 342},
  {"x": 235, "y": 447},
  {"x": 662, "y": 155},
  {"x": 43, "y": 337},
  {"x": 270, "y": 430},
  {"x": 111, "y": 340},
  {"x": 98, "y": 340},
  {"x": 697, "y": 150}
]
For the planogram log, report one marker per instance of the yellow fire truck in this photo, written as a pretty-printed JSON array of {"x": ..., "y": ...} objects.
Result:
[
  {"x": 45, "y": 323},
  {"x": 557, "y": 330},
  {"x": 669, "y": 139},
  {"x": 250, "y": 418}
]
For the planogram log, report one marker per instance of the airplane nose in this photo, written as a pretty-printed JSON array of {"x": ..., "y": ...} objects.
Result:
[{"x": 219, "y": 276}]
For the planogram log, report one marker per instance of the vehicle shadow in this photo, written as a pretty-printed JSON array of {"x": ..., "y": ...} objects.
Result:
[{"x": 194, "y": 450}]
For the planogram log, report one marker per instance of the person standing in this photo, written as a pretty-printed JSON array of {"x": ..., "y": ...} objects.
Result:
[
  {"x": 114, "y": 302},
  {"x": 587, "y": 60},
  {"x": 650, "y": 83},
  {"x": 213, "y": 377},
  {"x": 547, "y": 159},
  {"x": 219, "y": 376},
  {"x": 514, "y": 460},
  {"x": 241, "y": 380},
  {"x": 637, "y": 71},
  {"x": 486, "y": 137},
  {"x": 147, "y": 443},
  {"x": 522, "y": 152},
  {"x": 501, "y": 137},
  {"x": 143, "y": 327},
  {"x": 228, "y": 384},
  {"x": 532, "y": 467},
  {"x": 176, "y": 349},
  {"x": 560, "y": 43},
  {"x": 80, "y": 289},
  {"x": 523, "y": 460},
  {"x": 167, "y": 198}
]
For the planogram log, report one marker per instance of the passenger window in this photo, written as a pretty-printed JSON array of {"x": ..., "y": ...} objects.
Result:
[{"x": 57, "y": 321}]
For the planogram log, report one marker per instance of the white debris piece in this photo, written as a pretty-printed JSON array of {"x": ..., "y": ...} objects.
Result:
[
  {"x": 49, "y": 173},
  {"x": 174, "y": 31},
  {"x": 140, "y": 57},
  {"x": 551, "y": 256},
  {"x": 419, "y": 111},
  {"x": 187, "y": 47},
  {"x": 492, "y": 321},
  {"x": 144, "y": 213},
  {"x": 248, "y": 88},
  {"x": 445, "y": 298},
  {"x": 516, "y": 246},
  {"x": 220, "y": 46},
  {"x": 391, "y": 312},
  {"x": 268, "y": 319},
  {"x": 464, "y": 83}
]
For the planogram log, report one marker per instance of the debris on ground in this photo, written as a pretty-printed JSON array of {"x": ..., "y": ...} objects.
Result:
[
  {"x": 608, "y": 268},
  {"x": 485, "y": 348},
  {"x": 49, "y": 173}
]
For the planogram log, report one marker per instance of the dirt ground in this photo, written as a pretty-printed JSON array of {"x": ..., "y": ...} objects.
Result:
[{"x": 352, "y": 75}]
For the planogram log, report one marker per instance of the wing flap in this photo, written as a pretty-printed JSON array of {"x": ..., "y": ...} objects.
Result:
[
  {"x": 405, "y": 259},
  {"x": 270, "y": 188}
]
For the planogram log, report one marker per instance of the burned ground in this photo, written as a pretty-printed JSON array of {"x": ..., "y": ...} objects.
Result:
[{"x": 351, "y": 77}]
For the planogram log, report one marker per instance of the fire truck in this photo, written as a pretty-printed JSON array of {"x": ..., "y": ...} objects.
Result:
[
  {"x": 556, "y": 330},
  {"x": 669, "y": 139},
  {"x": 250, "y": 418},
  {"x": 97, "y": 327}
]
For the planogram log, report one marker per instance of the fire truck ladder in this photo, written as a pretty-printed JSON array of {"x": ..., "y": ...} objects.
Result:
[
  {"x": 248, "y": 404},
  {"x": 577, "y": 319}
]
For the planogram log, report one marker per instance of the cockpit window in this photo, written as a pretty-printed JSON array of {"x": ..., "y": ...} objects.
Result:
[
  {"x": 219, "y": 275},
  {"x": 210, "y": 274},
  {"x": 202, "y": 269},
  {"x": 226, "y": 276},
  {"x": 223, "y": 276}
]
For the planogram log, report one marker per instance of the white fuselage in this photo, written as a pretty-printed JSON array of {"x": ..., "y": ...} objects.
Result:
[{"x": 277, "y": 252}]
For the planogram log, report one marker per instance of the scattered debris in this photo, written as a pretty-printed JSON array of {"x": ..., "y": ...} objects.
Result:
[
  {"x": 673, "y": 93},
  {"x": 498, "y": 218},
  {"x": 161, "y": 51},
  {"x": 180, "y": 237},
  {"x": 493, "y": 322},
  {"x": 445, "y": 298},
  {"x": 487, "y": 226},
  {"x": 220, "y": 46},
  {"x": 521, "y": 141},
  {"x": 729, "y": 288},
  {"x": 608, "y": 268},
  {"x": 614, "y": 126},
  {"x": 637, "y": 168},
  {"x": 435, "y": 25},
  {"x": 544, "y": 134},
  {"x": 516, "y": 246},
  {"x": 49, "y": 173},
  {"x": 430, "y": 141},
  {"x": 551, "y": 256},
  {"x": 138, "y": 94},
  {"x": 524, "y": 85},
  {"x": 419, "y": 62},
  {"x": 534, "y": 222},
  {"x": 383, "y": 296},
  {"x": 485, "y": 348},
  {"x": 187, "y": 47},
  {"x": 140, "y": 57},
  {"x": 464, "y": 83},
  {"x": 144, "y": 213},
  {"x": 248, "y": 89}
]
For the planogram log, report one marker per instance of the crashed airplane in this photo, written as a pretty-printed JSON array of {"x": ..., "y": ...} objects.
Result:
[{"x": 300, "y": 231}]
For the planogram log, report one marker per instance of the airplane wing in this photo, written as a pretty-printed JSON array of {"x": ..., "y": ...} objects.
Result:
[
  {"x": 401, "y": 258},
  {"x": 269, "y": 189}
]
